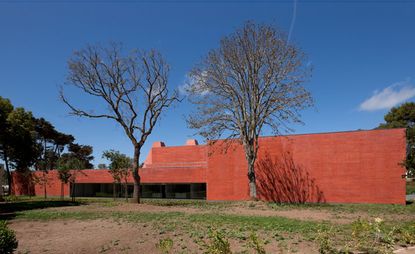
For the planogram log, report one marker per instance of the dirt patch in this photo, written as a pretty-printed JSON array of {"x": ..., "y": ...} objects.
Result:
[
  {"x": 93, "y": 236},
  {"x": 107, "y": 236},
  {"x": 299, "y": 214}
]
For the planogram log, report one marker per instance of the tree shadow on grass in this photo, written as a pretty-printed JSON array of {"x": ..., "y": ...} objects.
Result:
[
  {"x": 281, "y": 180},
  {"x": 8, "y": 209}
]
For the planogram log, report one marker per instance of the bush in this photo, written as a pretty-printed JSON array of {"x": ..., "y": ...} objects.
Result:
[
  {"x": 405, "y": 235},
  {"x": 256, "y": 244},
  {"x": 8, "y": 242},
  {"x": 325, "y": 240},
  {"x": 367, "y": 236},
  {"x": 372, "y": 236},
  {"x": 218, "y": 243},
  {"x": 165, "y": 245}
]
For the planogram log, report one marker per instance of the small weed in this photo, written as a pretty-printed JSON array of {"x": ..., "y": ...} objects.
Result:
[
  {"x": 217, "y": 244},
  {"x": 125, "y": 248},
  {"x": 325, "y": 241},
  {"x": 104, "y": 248},
  {"x": 256, "y": 244},
  {"x": 165, "y": 245},
  {"x": 372, "y": 236}
]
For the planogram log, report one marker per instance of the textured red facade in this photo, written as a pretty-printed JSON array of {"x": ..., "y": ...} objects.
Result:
[
  {"x": 342, "y": 167},
  {"x": 346, "y": 167}
]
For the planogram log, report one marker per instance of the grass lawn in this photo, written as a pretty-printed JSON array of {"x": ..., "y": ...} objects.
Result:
[{"x": 183, "y": 226}]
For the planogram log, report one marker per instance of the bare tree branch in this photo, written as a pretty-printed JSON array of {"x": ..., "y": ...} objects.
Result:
[
  {"x": 254, "y": 79},
  {"x": 134, "y": 87}
]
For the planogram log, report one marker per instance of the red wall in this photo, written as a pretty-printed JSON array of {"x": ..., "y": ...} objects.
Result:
[
  {"x": 346, "y": 167},
  {"x": 33, "y": 186},
  {"x": 342, "y": 167},
  {"x": 181, "y": 164},
  {"x": 148, "y": 175}
]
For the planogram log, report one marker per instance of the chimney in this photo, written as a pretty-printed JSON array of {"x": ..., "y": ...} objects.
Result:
[
  {"x": 191, "y": 142},
  {"x": 159, "y": 144}
]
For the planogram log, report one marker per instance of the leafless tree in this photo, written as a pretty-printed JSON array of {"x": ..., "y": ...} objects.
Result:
[
  {"x": 254, "y": 79},
  {"x": 133, "y": 86}
]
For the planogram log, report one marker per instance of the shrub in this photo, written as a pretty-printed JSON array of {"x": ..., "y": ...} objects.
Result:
[
  {"x": 218, "y": 243},
  {"x": 368, "y": 236},
  {"x": 405, "y": 235},
  {"x": 372, "y": 236},
  {"x": 325, "y": 239},
  {"x": 165, "y": 245},
  {"x": 8, "y": 242},
  {"x": 256, "y": 244}
]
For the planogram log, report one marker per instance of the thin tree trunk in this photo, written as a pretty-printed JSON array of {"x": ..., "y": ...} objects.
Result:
[
  {"x": 126, "y": 190},
  {"x": 9, "y": 175},
  {"x": 44, "y": 185},
  {"x": 113, "y": 190},
  {"x": 62, "y": 190},
  {"x": 252, "y": 180},
  {"x": 136, "y": 175},
  {"x": 73, "y": 191},
  {"x": 2, "y": 175},
  {"x": 1, "y": 186}
]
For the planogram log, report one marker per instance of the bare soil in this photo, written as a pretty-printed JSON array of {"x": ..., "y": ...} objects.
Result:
[
  {"x": 107, "y": 236},
  {"x": 113, "y": 236}
]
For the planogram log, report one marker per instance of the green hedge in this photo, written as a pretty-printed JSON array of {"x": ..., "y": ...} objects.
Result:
[{"x": 8, "y": 241}]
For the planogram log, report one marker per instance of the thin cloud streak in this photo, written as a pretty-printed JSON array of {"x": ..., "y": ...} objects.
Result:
[
  {"x": 294, "y": 17},
  {"x": 389, "y": 97}
]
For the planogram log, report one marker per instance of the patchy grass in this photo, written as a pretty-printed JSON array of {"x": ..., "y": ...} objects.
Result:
[
  {"x": 372, "y": 209},
  {"x": 347, "y": 208},
  {"x": 174, "y": 220},
  {"x": 31, "y": 205},
  {"x": 209, "y": 225},
  {"x": 196, "y": 226}
]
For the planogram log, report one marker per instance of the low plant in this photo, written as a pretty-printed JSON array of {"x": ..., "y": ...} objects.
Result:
[
  {"x": 372, "y": 236},
  {"x": 165, "y": 245},
  {"x": 325, "y": 241},
  {"x": 405, "y": 235},
  {"x": 256, "y": 244},
  {"x": 218, "y": 244},
  {"x": 8, "y": 241},
  {"x": 367, "y": 236}
]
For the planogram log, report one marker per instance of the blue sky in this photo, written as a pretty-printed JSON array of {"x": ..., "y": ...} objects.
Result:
[{"x": 363, "y": 56}]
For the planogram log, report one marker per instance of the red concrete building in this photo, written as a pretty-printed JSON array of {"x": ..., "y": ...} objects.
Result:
[{"x": 340, "y": 167}]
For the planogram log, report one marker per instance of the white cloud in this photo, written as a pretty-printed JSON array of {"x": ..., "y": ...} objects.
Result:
[
  {"x": 184, "y": 88},
  {"x": 389, "y": 97},
  {"x": 194, "y": 84}
]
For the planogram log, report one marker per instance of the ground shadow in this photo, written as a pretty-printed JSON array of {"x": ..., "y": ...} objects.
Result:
[
  {"x": 8, "y": 209},
  {"x": 281, "y": 180}
]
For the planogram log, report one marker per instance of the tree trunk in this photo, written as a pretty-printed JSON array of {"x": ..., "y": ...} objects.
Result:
[
  {"x": 9, "y": 175},
  {"x": 252, "y": 180},
  {"x": 2, "y": 175},
  {"x": 113, "y": 190},
  {"x": 250, "y": 155},
  {"x": 1, "y": 186},
  {"x": 73, "y": 191},
  {"x": 126, "y": 190},
  {"x": 44, "y": 185},
  {"x": 62, "y": 190},
  {"x": 136, "y": 175}
]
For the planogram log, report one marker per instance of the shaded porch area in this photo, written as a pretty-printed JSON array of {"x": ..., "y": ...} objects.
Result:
[{"x": 153, "y": 190}]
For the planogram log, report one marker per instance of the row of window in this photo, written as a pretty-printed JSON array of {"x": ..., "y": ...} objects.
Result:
[{"x": 169, "y": 191}]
